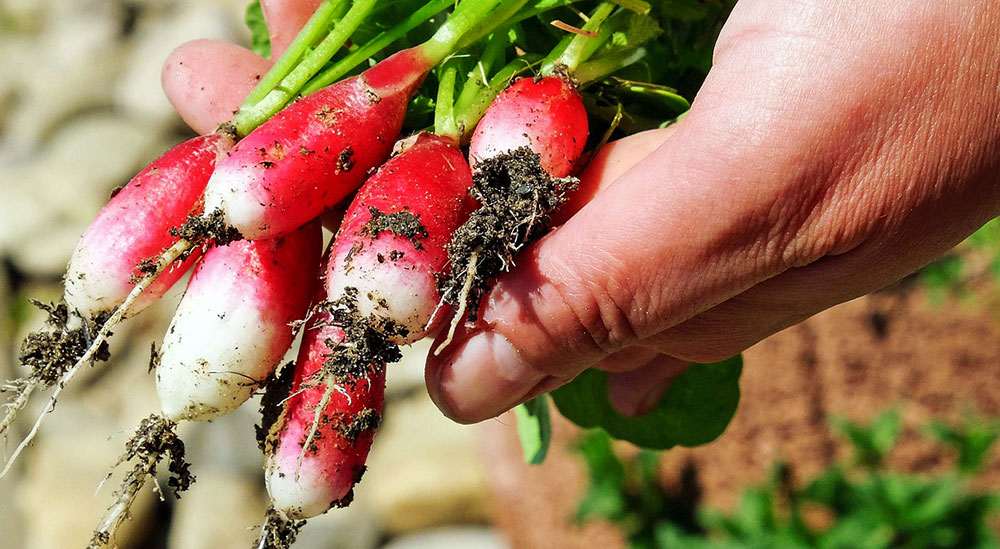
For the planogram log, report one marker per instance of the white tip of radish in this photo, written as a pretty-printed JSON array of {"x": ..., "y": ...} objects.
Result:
[
  {"x": 300, "y": 498},
  {"x": 217, "y": 351}
]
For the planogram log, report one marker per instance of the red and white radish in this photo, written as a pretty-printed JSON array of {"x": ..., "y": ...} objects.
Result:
[
  {"x": 380, "y": 273},
  {"x": 316, "y": 151},
  {"x": 306, "y": 484},
  {"x": 134, "y": 227},
  {"x": 545, "y": 114},
  {"x": 233, "y": 324}
]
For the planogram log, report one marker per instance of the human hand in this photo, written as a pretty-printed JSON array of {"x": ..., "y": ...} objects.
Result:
[{"x": 834, "y": 148}]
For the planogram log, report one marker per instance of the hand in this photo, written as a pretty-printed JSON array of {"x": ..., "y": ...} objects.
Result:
[{"x": 835, "y": 148}]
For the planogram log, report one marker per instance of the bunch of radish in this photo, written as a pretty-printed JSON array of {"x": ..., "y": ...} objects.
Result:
[{"x": 241, "y": 205}]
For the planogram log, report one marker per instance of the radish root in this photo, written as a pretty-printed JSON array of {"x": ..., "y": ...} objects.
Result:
[
  {"x": 155, "y": 439},
  {"x": 98, "y": 344}
]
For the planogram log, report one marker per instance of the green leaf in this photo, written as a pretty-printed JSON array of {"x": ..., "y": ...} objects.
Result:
[
  {"x": 695, "y": 410},
  {"x": 260, "y": 39},
  {"x": 534, "y": 428}
]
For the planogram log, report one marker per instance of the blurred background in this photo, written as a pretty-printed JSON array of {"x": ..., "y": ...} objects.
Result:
[{"x": 870, "y": 425}]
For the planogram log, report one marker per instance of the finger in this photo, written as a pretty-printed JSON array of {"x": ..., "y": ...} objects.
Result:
[
  {"x": 610, "y": 163},
  {"x": 207, "y": 80},
  {"x": 636, "y": 392},
  {"x": 284, "y": 19}
]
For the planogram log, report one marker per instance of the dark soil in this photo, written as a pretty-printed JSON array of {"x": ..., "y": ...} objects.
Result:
[
  {"x": 53, "y": 350},
  {"x": 212, "y": 226},
  {"x": 278, "y": 533},
  {"x": 371, "y": 337},
  {"x": 402, "y": 223},
  {"x": 276, "y": 390},
  {"x": 516, "y": 198}
]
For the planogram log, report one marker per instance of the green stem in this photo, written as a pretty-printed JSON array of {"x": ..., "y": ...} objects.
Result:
[
  {"x": 581, "y": 46},
  {"x": 248, "y": 119},
  {"x": 315, "y": 28},
  {"x": 478, "y": 79},
  {"x": 597, "y": 69},
  {"x": 444, "y": 108},
  {"x": 470, "y": 21},
  {"x": 373, "y": 46}
]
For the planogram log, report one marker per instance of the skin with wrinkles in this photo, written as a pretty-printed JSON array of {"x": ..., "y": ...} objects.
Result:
[{"x": 835, "y": 147}]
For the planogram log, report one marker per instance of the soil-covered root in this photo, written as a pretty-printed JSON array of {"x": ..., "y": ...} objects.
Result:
[
  {"x": 49, "y": 353},
  {"x": 516, "y": 199},
  {"x": 278, "y": 532},
  {"x": 154, "y": 440}
]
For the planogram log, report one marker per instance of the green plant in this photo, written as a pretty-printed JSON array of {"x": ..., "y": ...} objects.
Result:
[{"x": 866, "y": 504}]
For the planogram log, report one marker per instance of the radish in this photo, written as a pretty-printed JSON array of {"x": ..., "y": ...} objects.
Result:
[
  {"x": 318, "y": 150},
  {"x": 380, "y": 271},
  {"x": 109, "y": 264},
  {"x": 234, "y": 323},
  {"x": 305, "y": 486},
  {"x": 523, "y": 153},
  {"x": 232, "y": 327},
  {"x": 134, "y": 226}
]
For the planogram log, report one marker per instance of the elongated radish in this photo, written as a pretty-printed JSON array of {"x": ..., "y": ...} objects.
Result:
[
  {"x": 232, "y": 327},
  {"x": 544, "y": 114},
  {"x": 303, "y": 486},
  {"x": 233, "y": 324},
  {"x": 379, "y": 272},
  {"x": 107, "y": 268},
  {"x": 134, "y": 226}
]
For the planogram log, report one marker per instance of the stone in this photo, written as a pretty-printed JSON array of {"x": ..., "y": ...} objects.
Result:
[
  {"x": 353, "y": 527},
  {"x": 424, "y": 470},
  {"x": 159, "y": 32},
  {"x": 218, "y": 512}
]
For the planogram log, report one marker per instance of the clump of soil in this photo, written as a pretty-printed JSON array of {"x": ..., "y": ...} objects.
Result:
[
  {"x": 155, "y": 439},
  {"x": 370, "y": 337},
  {"x": 276, "y": 390},
  {"x": 278, "y": 532},
  {"x": 516, "y": 199},
  {"x": 53, "y": 350},
  {"x": 366, "y": 420},
  {"x": 402, "y": 223},
  {"x": 212, "y": 226}
]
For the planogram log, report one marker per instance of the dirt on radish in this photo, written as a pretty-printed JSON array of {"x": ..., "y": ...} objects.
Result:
[{"x": 516, "y": 197}]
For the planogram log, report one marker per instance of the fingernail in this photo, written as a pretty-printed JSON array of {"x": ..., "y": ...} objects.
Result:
[{"x": 481, "y": 378}]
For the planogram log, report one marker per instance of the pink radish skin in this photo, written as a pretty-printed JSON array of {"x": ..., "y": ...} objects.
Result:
[
  {"x": 430, "y": 179},
  {"x": 134, "y": 226},
  {"x": 316, "y": 151},
  {"x": 232, "y": 326},
  {"x": 546, "y": 115},
  {"x": 328, "y": 474}
]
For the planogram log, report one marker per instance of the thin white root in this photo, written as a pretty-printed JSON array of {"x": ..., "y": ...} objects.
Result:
[
  {"x": 323, "y": 402},
  {"x": 470, "y": 276},
  {"x": 119, "y": 511},
  {"x": 165, "y": 259},
  {"x": 24, "y": 390}
]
